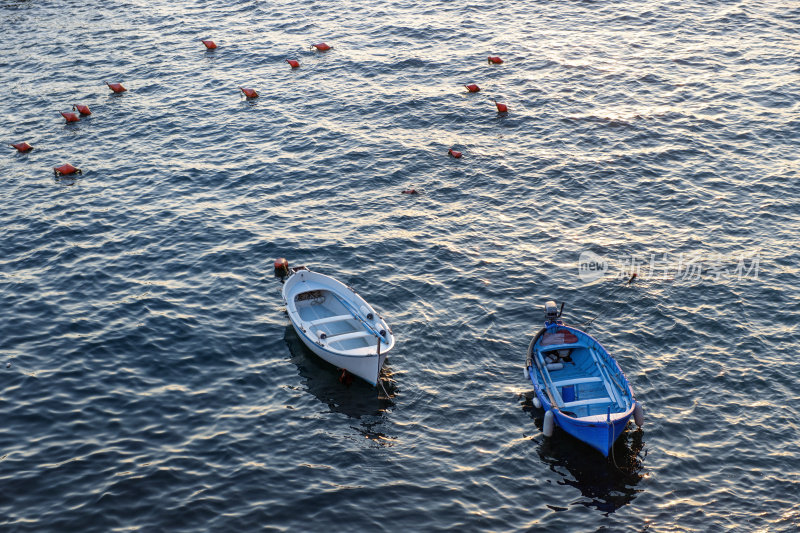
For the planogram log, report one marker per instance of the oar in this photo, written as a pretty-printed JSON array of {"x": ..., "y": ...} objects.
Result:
[
  {"x": 553, "y": 403},
  {"x": 531, "y": 349},
  {"x": 602, "y": 363},
  {"x": 355, "y": 314}
]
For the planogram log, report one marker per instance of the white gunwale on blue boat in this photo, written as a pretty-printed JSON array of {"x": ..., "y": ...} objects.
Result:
[
  {"x": 337, "y": 324},
  {"x": 577, "y": 379}
]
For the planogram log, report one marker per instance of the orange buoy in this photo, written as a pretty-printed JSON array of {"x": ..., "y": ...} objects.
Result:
[
  {"x": 346, "y": 378},
  {"x": 410, "y": 191},
  {"x": 69, "y": 117},
  {"x": 210, "y": 44},
  {"x": 321, "y": 47},
  {"x": 250, "y": 93},
  {"x": 23, "y": 147},
  {"x": 454, "y": 153},
  {"x": 82, "y": 109},
  {"x": 472, "y": 88},
  {"x": 281, "y": 268},
  {"x": 293, "y": 62},
  {"x": 496, "y": 60},
  {"x": 501, "y": 108},
  {"x": 66, "y": 169},
  {"x": 116, "y": 87}
]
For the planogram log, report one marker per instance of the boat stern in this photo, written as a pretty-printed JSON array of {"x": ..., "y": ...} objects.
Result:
[{"x": 600, "y": 435}]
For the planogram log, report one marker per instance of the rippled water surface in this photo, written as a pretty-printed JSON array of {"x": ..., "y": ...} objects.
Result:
[{"x": 150, "y": 379}]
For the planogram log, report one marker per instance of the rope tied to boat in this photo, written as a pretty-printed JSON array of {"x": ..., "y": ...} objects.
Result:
[
  {"x": 587, "y": 324},
  {"x": 316, "y": 297}
]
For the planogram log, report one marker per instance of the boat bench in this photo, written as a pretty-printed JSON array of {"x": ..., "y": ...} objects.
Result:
[
  {"x": 576, "y": 381},
  {"x": 329, "y": 319},
  {"x": 553, "y": 347},
  {"x": 591, "y": 401},
  {"x": 346, "y": 336},
  {"x": 579, "y": 381}
]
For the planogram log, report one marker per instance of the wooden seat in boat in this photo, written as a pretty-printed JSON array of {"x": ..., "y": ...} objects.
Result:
[{"x": 329, "y": 319}]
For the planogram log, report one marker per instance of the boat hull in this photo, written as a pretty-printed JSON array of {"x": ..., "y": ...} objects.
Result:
[
  {"x": 590, "y": 366},
  {"x": 366, "y": 367},
  {"x": 337, "y": 324},
  {"x": 599, "y": 435}
]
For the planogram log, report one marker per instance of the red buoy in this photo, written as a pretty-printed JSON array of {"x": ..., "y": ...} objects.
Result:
[
  {"x": 501, "y": 108},
  {"x": 454, "y": 153},
  {"x": 496, "y": 60},
  {"x": 210, "y": 44},
  {"x": 410, "y": 191},
  {"x": 70, "y": 117},
  {"x": 116, "y": 87},
  {"x": 281, "y": 268},
  {"x": 82, "y": 109},
  {"x": 293, "y": 62},
  {"x": 23, "y": 147},
  {"x": 346, "y": 378},
  {"x": 472, "y": 88},
  {"x": 321, "y": 47},
  {"x": 250, "y": 93},
  {"x": 66, "y": 169}
]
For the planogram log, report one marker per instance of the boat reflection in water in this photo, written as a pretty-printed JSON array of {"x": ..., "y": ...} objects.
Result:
[
  {"x": 605, "y": 484},
  {"x": 358, "y": 400}
]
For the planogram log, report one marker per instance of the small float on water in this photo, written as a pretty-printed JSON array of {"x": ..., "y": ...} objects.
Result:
[
  {"x": 335, "y": 322},
  {"x": 580, "y": 386}
]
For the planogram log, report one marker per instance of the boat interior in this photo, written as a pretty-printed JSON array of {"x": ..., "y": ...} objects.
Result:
[
  {"x": 583, "y": 381},
  {"x": 328, "y": 320}
]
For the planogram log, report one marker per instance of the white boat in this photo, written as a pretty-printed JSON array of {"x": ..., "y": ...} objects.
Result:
[{"x": 336, "y": 323}]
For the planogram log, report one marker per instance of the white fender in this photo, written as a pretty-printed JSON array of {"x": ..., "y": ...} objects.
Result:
[
  {"x": 320, "y": 333},
  {"x": 536, "y": 403},
  {"x": 555, "y": 366},
  {"x": 549, "y": 424},
  {"x": 527, "y": 375},
  {"x": 638, "y": 414}
]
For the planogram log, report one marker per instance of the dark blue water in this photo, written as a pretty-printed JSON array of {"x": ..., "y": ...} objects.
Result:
[{"x": 150, "y": 380}]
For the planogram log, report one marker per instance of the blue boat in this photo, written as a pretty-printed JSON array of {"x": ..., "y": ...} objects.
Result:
[{"x": 580, "y": 386}]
